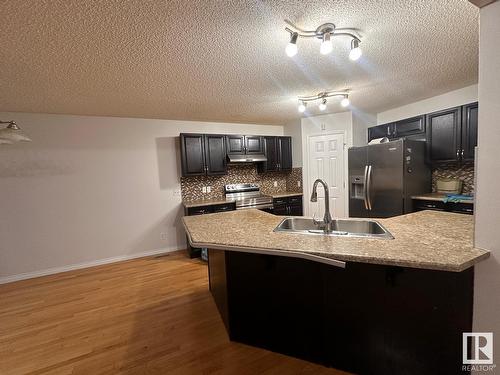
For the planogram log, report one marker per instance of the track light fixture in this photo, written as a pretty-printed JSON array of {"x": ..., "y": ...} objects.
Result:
[
  {"x": 325, "y": 32},
  {"x": 322, "y": 96},
  {"x": 12, "y": 133}
]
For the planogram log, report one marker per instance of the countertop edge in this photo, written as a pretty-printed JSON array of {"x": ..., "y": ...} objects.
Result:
[{"x": 340, "y": 260}]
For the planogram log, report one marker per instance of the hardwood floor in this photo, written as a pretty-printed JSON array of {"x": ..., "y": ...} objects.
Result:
[{"x": 147, "y": 316}]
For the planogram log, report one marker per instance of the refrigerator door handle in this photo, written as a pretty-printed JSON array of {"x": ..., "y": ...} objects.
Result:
[
  {"x": 365, "y": 189},
  {"x": 369, "y": 187}
]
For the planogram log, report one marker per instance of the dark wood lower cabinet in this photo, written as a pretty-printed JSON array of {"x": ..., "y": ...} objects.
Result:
[{"x": 365, "y": 319}]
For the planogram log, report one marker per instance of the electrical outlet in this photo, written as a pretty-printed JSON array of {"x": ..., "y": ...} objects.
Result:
[
  {"x": 275, "y": 183},
  {"x": 298, "y": 183},
  {"x": 209, "y": 189},
  {"x": 163, "y": 236},
  {"x": 177, "y": 192},
  {"x": 204, "y": 189}
]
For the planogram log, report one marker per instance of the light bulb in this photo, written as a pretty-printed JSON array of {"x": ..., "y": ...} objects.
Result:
[
  {"x": 355, "y": 52},
  {"x": 302, "y": 107},
  {"x": 326, "y": 44},
  {"x": 345, "y": 102},
  {"x": 291, "y": 48},
  {"x": 322, "y": 105}
]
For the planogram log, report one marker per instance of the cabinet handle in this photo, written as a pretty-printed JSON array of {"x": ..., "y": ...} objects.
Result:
[
  {"x": 462, "y": 154},
  {"x": 458, "y": 154}
]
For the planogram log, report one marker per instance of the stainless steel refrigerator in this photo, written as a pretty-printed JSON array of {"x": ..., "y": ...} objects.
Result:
[{"x": 383, "y": 177}]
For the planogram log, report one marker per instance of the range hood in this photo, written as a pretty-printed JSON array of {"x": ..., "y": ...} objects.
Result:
[{"x": 255, "y": 158}]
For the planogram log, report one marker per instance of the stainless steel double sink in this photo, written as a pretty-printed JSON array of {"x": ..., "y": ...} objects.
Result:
[{"x": 340, "y": 227}]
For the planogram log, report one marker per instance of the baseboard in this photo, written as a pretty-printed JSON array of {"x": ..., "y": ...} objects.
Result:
[{"x": 71, "y": 267}]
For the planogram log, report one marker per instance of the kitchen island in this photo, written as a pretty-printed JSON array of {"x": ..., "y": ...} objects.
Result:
[{"x": 377, "y": 306}]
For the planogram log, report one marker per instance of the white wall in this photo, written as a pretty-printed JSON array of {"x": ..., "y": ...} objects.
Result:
[
  {"x": 92, "y": 188},
  {"x": 450, "y": 99},
  {"x": 325, "y": 124},
  {"x": 294, "y": 130},
  {"x": 361, "y": 121},
  {"x": 487, "y": 274}
]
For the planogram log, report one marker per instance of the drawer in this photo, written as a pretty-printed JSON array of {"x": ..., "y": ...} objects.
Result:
[
  {"x": 200, "y": 210},
  {"x": 461, "y": 208},
  {"x": 224, "y": 207},
  {"x": 429, "y": 205},
  {"x": 280, "y": 202},
  {"x": 295, "y": 200}
]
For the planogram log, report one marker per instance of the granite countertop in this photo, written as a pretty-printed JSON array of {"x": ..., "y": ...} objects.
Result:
[
  {"x": 284, "y": 194},
  {"x": 206, "y": 202},
  {"x": 439, "y": 197},
  {"x": 426, "y": 239}
]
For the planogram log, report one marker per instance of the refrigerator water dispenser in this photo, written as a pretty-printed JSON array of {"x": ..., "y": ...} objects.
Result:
[{"x": 357, "y": 184}]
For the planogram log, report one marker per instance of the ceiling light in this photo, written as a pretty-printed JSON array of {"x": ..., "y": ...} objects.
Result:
[
  {"x": 302, "y": 107},
  {"x": 325, "y": 32},
  {"x": 12, "y": 133},
  {"x": 322, "y": 96},
  {"x": 355, "y": 52},
  {"x": 291, "y": 48},
  {"x": 326, "y": 44}
]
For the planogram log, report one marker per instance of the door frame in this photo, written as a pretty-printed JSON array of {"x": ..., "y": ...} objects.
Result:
[{"x": 307, "y": 185}]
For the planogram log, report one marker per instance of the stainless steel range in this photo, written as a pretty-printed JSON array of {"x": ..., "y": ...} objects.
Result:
[{"x": 248, "y": 196}]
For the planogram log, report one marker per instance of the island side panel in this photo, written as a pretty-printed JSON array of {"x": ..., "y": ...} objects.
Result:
[
  {"x": 218, "y": 282},
  {"x": 363, "y": 319}
]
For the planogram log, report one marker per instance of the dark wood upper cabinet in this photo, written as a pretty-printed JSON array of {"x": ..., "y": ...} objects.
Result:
[
  {"x": 271, "y": 152},
  {"x": 278, "y": 151},
  {"x": 285, "y": 153},
  {"x": 215, "y": 154},
  {"x": 469, "y": 131},
  {"x": 380, "y": 131},
  {"x": 244, "y": 144},
  {"x": 203, "y": 154},
  {"x": 253, "y": 144},
  {"x": 235, "y": 144},
  {"x": 192, "y": 154},
  {"x": 445, "y": 135},
  {"x": 451, "y": 134},
  {"x": 409, "y": 127}
]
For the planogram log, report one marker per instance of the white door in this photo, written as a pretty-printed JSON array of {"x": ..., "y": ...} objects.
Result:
[{"x": 326, "y": 161}]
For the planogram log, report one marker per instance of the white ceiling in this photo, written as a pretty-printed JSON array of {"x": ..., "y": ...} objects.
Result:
[{"x": 224, "y": 60}]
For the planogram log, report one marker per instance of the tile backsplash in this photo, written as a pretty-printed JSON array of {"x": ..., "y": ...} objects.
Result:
[
  {"x": 462, "y": 172},
  {"x": 191, "y": 187}
]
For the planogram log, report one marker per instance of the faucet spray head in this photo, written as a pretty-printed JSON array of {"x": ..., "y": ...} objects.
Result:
[{"x": 314, "y": 196}]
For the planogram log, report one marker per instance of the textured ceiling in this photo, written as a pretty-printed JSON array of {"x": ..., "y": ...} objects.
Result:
[{"x": 224, "y": 60}]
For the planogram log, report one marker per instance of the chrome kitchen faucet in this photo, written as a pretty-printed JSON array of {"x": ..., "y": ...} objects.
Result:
[{"x": 327, "y": 222}]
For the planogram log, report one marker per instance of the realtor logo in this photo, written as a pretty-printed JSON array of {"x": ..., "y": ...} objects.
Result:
[{"x": 481, "y": 348}]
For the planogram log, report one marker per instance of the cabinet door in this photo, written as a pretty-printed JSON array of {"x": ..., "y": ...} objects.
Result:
[
  {"x": 235, "y": 144},
  {"x": 215, "y": 154},
  {"x": 285, "y": 153},
  {"x": 271, "y": 152},
  {"x": 410, "y": 126},
  {"x": 380, "y": 131},
  {"x": 192, "y": 154},
  {"x": 253, "y": 144},
  {"x": 444, "y": 135},
  {"x": 469, "y": 131}
]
